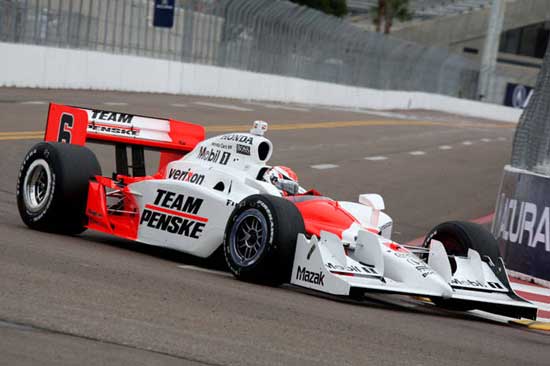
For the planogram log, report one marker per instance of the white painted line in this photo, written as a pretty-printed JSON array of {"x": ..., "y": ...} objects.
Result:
[
  {"x": 376, "y": 158},
  {"x": 486, "y": 140},
  {"x": 417, "y": 153},
  {"x": 178, "y": 105},
  {"x": 115, "y": 103},
  {"x": 279, "y": 106},
  {"x": 199, "y": 269},
  {"x": 445, "y": 147},
  {"x": 502, "y": 139},
  {"x": 324, "y": 166},
  {"x": 467, "y": 143},
  {"x": 34, "y": 102},
  {"x": 372, "y": 112},
  {"x": 388, "y": 114},
  {"x": 224, "y": 106}
]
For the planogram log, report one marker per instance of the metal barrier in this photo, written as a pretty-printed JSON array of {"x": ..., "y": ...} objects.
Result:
[
  {"x": 267, "y": 36},
  {"x": 532, "y": 139}
]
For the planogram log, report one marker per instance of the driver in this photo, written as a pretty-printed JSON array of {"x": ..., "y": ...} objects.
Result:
[{"x": 284, "y": 178}]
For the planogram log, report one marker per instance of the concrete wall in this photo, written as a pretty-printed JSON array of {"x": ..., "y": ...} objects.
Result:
[{"x": 49, "y": 67}]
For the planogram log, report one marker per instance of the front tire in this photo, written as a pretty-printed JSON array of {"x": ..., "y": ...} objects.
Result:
[
  {"x": 52, "y": 187},
  {"x": 459, "y": 236},
  {"x": 260, "y": 239}
]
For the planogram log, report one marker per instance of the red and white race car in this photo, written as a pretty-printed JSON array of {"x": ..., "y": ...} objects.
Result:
[{"x": 220, "y": 191}]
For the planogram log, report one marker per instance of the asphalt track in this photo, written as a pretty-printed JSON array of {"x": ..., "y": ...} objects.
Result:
[{"x": 93, "y": 299}]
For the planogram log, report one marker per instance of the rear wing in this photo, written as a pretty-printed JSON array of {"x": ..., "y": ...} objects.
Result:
[{"x": 76, "y": 125}]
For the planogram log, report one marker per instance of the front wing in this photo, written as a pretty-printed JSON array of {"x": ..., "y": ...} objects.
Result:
[{"x": 378, "y": 265}]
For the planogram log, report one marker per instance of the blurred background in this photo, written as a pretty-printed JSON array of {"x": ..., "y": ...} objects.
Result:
[{"x": 434, "y": 46}]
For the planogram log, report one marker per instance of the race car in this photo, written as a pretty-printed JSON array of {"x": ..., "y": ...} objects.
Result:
[{"x": 220, "y": 192}]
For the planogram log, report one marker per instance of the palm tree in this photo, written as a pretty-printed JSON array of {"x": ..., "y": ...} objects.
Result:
[{"x": 387, "y": 10}]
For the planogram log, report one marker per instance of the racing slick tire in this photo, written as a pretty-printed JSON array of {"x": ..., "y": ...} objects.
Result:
[
  {"x": 52, "y": 187},
  {"x": 260, "y": 239},
  {"x": 457, "y": 237}
]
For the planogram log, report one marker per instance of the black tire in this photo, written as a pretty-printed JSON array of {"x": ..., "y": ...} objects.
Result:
[
  {"x": 52, "y": 187},
  {"x": 271, "y": 262},
  {"x": 459, "y": 236}
]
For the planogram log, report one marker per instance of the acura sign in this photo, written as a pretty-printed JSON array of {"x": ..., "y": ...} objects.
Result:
[{"x": 522, "y": 222}]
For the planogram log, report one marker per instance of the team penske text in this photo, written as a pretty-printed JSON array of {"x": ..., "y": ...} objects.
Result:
[{"x": 174, "y": 213}]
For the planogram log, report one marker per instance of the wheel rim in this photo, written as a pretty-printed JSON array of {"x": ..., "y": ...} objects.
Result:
[
  {"x": 37, "y": 185},
  {"x": 248, "y": 237}
]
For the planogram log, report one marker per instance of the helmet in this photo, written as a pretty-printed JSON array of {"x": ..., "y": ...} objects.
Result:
[{"x": 280, "y": 177}]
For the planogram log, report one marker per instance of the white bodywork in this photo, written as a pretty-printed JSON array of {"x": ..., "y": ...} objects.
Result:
[
  {"x": 189, "y": 208},
  {"x": 204, "y": 186}
]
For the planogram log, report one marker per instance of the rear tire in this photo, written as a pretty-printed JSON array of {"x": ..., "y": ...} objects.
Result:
[
  {"x": 260, "y": 239},
  {"x": 52, "y": 187}
]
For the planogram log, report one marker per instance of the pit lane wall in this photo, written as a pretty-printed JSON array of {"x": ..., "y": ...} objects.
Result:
[
  {"x": 522, "y": 224},
  {"x": 34, "y": 66}
]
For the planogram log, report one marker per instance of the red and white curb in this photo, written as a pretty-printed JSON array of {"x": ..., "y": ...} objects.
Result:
[{"x": 538, "y": 295}]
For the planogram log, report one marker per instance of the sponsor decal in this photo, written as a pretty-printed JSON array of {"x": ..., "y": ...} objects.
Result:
[
  {"x": 420, "y": 266},
  {"x": 400, "y": 255},
  {"x": 175, "y": 213},
  {"x": 523, "y": 222},
  {"x": 311, "y": 250},
  {"x": 230, "y": 203},
  {"x": 305, "y": 275},
  {"x": 243, "y": 139},
  {"x": 112, "y": 129},
  {"x": 467, "y": 283},
  {"x": 111, "y": 116},
  {"x": 186, "y": 176},
  {"x": 222, "y": 146},
  {"x": 495, "y": 285},
  {"x": 517, "y": 95},
  {"x": 243, "y": 149},
  {"x": 214, "y": 155},
  {"x": 352, "y": 268},
  {"x": 385, "y": 226}
]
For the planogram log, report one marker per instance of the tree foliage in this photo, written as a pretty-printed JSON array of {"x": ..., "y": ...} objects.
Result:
[
  {"x": 338, "y": 8},
  {"x": 388, "y": 10}
]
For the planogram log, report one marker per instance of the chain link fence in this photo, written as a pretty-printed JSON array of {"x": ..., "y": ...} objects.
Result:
[
  {"x": 531, "y": 149},
  {"x": 267, "y": 36}
]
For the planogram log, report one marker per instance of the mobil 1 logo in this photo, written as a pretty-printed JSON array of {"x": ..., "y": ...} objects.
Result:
[{"x": 214, "y": 155}]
